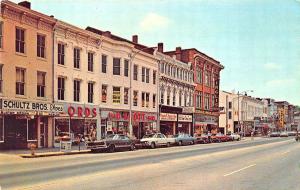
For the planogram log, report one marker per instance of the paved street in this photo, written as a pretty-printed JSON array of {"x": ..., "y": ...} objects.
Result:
[{"x": 260, "y": 164}]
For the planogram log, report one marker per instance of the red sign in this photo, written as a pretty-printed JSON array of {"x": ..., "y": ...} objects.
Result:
[
  {"x": 82, "y": 112},
  {"x": 136, "y": 116}
]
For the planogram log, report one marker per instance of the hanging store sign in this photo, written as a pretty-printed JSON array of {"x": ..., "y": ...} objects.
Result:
[
  {"x": 185, "y": 118},
  {"x": 168, "y": 117},
  {"x": 18, "y": 105}
]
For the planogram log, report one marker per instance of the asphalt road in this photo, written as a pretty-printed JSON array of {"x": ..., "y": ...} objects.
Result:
[{"x": 261, "y": 164}]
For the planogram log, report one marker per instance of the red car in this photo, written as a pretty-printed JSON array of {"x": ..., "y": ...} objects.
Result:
[
  {"x": 219, "y": 137},
  {"x": 203, "y": 138}
]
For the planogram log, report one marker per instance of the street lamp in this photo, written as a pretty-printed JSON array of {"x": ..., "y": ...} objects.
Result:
[
  {"x": 132, "y": 56},
  {"x": 241, "y": 93}
]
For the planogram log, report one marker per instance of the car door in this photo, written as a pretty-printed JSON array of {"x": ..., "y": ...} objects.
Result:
[{"x": 164, "y": 139}]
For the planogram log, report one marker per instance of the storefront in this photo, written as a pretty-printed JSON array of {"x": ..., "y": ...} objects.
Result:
[
  {"x": 185, "y": 123},
  {"x": 206, "y": 123},
  {"x": 26, "y": 122},
  {"x": 117, "y": 122},
  {"x": 77, "y": 121},
  {"x": 168, "y": 122}
]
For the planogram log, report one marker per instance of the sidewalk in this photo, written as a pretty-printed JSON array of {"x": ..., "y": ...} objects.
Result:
[{"x": 44, "y": 152}]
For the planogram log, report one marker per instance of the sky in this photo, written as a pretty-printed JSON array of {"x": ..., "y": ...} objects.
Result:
[{"x": 257, "y": 41}]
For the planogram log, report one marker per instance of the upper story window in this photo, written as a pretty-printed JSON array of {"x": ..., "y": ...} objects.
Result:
[
  {"x": 229, "y": 105},
  {"x": 206, "y": 78},
  {"x": 154, "y": 77},
  {"x": 41, "y": 84},
  {"x": 162, "y": 96},
  {"x": 147, "y": 75},
  {"x": 135, "y": 98},
  {"x": 61, "y": 54},
  {"x": 116, "y": 95},
  {"x": 1, "y": 35},
  {"x": 143, "y": 74},
  {"x": 90, "y": 92},
  {"x": 20, "y": 40},
  {"x": 174, "y": 97},
  {"x": 126, "y": 92},
  {"x": 76, "y": 58},
  {"x": 206, "y": 101},
  {"x": 154, "y": 100},
  {"x": 61, "y": 88},
  {"x": 104, "y": 63},
  {"x": 104, "y": 93},
  {"x": 126, "y": 68},
  {"x": 76, "y": 90},
  {"x": 90, "y": 61},
  {"x": 1, "y": 78},
  {"x": 116, "y": 66},
  {"x": 162, "y": 66},
  {"x": 41, "y": 45},
  {"x": 20, "y": 81},
  {"x": 135, "y": 72}
]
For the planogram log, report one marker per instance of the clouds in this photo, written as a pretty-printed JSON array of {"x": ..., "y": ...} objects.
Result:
[
  {"x": 279, "y": 83},
  {"x": 153, "y": 21},
  {"x": 272, "y": 66}
]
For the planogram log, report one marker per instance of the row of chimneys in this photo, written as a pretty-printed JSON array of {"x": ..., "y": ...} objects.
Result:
[{"x": 160, "y": 46}]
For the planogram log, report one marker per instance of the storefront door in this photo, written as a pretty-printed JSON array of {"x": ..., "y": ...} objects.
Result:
[
  {"x": 43, "y": 135},
  {"x": 15, "y": 132}
]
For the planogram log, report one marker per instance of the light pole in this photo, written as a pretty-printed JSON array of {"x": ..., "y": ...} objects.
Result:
[{"x": 132, "y": 56}]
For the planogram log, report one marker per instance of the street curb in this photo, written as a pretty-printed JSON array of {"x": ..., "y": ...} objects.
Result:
[{"x": 38, "y": 155}]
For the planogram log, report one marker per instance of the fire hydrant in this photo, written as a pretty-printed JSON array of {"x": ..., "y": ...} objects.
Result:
[{"x": 32, "y": 147}]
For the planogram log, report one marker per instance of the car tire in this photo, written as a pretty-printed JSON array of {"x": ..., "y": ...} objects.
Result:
[
  {"x": 180, "y": 143},
  {"x": 168, "y": 144},
  {"x": 193, "y": 142},
  {"x": 132, "y": 147},
  {"x": 153, "y": 146},
  {"x": 112, "y": 148},
  {"x": 219, "y": 141}
]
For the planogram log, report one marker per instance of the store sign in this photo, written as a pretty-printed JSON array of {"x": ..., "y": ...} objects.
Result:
[
  {"x": 185, "y": 118},
  {"x": 136, "y": 116},
  {"x": 188, "y": 110},
  {"x": 18, "y": 105},
  {"x": 168, "y": 117},
  {"x": 82, "y": 111},
  {"x": 206, "y": 119}
]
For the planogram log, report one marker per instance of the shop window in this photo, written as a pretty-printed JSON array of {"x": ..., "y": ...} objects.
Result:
[
  {"x": 143, "y": 74},
  {"x": 154, "y": 77},
  {"x": 32, "y": 130},
  {"x": 126, "y": 67},
  {"x": 1, "y": 129},
  {"x": 154, "y": 100},
  {"x": 104, "y": 63},
  {"x": 76, "y": 90},
  {"x": 116, "y": 95},
  {"x": 61, "y": 54},
  {"x": 135, "y": 72},
  {"x": 41, "y": 84},
  {"x": 61, "y": 88},
  {"x": 147, "y": 75},
  {"x": 147, "y": 100},
  {"x": 116, "y": 66},
  {"x": 62, "y": 128},
  {"x": 126, "y": 90},
  {"x": 104, "y": 94},
  {"x": 1, "y": 78},
  {"x": 20, "y": 82},
  {"x": 76, "y": 58},
  {"x": 90, "y": 61},
  {"x": 20, "y": 40},
  {"x": 90, "y": 92},
  {"x": 135, "y": 98},
  {"x": 41, "y": 45},
  {"x": 1, "y": 35}
]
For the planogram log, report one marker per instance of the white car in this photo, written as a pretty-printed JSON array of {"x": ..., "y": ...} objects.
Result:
[
  {"x": 156, "y": 139},
  {"x": 235, "y": 136}
]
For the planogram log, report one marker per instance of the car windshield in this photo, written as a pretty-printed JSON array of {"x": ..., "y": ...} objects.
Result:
[
  {"x": 148, "y": 136},
  {"x": 175, "y": 136},
  {"x": 110, "y": 136}
]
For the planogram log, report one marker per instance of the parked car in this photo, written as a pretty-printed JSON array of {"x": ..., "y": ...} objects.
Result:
[
  {"x": 203, "y": 138},
  {"x": 284, "y": 134},
  {"x": 183, "y": 139},
  {"x": 219, "y": 137},
  {"x": 111, "y": 143},
  {"x": 156, "y": 139},
  {"x": 234, "y": 136},
  {"x": 274, "y": 134},
  {"x": 291, "y": 133}
]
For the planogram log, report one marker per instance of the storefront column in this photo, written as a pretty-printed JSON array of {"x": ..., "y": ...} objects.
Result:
[
  {"x": 50, "y": 136},
  {"x": 38, "y": 126},
  {"x": 174, "y": 128},
  {"x": 98, "y": 127},
  {"x": 190, "y": 129}
]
